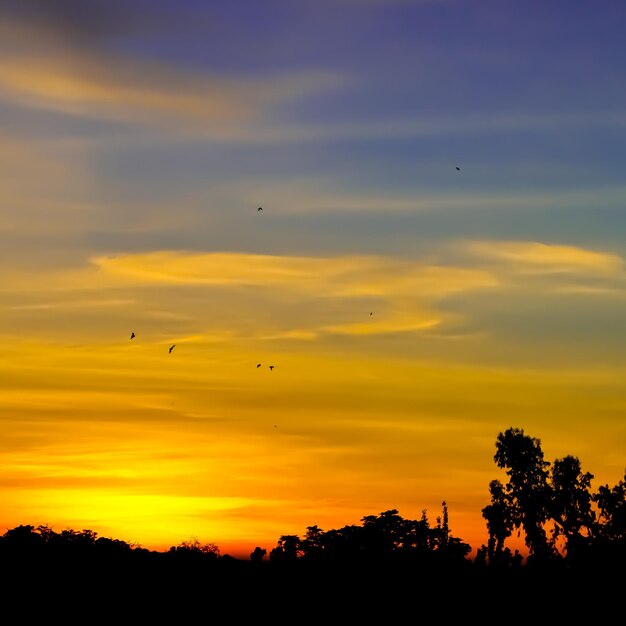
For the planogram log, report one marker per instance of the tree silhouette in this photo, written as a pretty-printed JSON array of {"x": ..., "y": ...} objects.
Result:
[
  {"x": 383, "y": 534},
  {"x": 499, "y": 521},
  {"x": 612, "y": 511},
  {"x": 258, "y": 554},
  {"x": 609, "y": 542},
  {"x": 571, "y": 510},
  {"x": 552, "y": 503},
  {"x": 384, "y": 537},
  {"x": 313, "y": 545},
  {"x": 587, "y": 529},
  {"x": 527, "y": 494},
  {"x": 194, "y": 550},
  {"x": 287, "y": 549}
]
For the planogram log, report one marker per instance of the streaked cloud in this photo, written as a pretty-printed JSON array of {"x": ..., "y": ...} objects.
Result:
[
  {"x": 406, "y": 295},
  {"x": 308, "y": 196},
  {"x": 69, "y": 70},
  {"x": 42, "y": 185},
  {"x": 536, "y": 257},
  {"x": 336, "y": 294},
  {"x": 591, "y": 290},
  {"x": 426, "y": 125},
  {"x": 333, "y": 276},
  {"x": 69, "y": 304},
  {"x": 148, "y": 94},
  {"x": 395, "y": 323},
  {"x": 408, "y": 307}
]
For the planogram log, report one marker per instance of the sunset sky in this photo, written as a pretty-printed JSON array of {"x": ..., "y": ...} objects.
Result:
[{"x": 412, "y": 311}]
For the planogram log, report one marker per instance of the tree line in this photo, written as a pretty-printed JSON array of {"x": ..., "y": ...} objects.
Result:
[{"x": 562, "y": 519}]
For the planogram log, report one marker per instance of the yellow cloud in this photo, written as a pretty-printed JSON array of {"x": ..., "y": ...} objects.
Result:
[
  {"x": 394, "y": 322},
  {"x": 397, "y": 323},
  {"x": 100, "y": 93},
  {"x": 335, "y": 276},
  {"x": 225, "y": 268},
  {"x": 146, "y": 93},
  {"x": 588, "y": 290},
  {"x": 332, "y": 295},
  {"x": 535, "y": 257}
]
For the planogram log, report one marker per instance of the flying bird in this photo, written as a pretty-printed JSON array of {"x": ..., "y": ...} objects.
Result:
[
  {"x": 258, "y": 365},
  {"x": 260, "y": 208},
  {"x": 458, "y": 168},
  {"x": 171, "y": 348},
  {"x": 271, "y": 367},
  {"x": 132, "y": 335}
]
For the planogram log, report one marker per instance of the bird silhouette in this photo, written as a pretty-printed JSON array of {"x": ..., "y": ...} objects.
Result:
[
  {"x": 260, "y": 208},
  {"x": 258, "y": 365},
  {"x": 271, "y": 367},
  {"x": 458, "y": 168},
  {"x": 171, "y": 348},
  {"x": 132, "y": 335},
  {"x": 371, "y": 313}
]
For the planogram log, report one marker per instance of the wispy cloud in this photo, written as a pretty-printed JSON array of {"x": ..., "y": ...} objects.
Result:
[
  {"x": 591, "y": 290},
  {"x": 352, "y": 276},
  {"x": 396, "y": 322},
  {"x": 68, "y": 67},
  {"x": 303, "y": 196},
  {"x": 341, "y": 295},
  {"x": 147, "y": 93},
  {"x": 540, "y": 258},
  {"x": 432, "y": 125},
  {"x": 332, "y": 295},
  {"x": 43, "y": 185}
]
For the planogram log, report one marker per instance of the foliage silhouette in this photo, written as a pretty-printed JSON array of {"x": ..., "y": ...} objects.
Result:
[
  {"x": 552, "y": 503},
  {"x": 576, "y": 539}
]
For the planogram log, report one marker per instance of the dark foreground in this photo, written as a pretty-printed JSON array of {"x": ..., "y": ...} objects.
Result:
[{"x": 157, "y": 590}]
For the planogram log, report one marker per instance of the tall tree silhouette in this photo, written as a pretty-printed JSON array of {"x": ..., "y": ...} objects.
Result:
[
  {"x": 499, "y": 521},
  {"x": 313, "y": 544},
  {"x": 611, "y": 504},
  {"x": 445, "y": 529},
  {"x": 527, "y": 493},
  {"x": 571, "y": 507}
]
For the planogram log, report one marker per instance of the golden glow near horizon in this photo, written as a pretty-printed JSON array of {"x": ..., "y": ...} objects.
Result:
[
  {"x": 122, "y": 437},
  {"x": 412, "y": 311}
]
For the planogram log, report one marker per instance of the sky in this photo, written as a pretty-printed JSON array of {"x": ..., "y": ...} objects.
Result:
[{"x": 440, "y": 256}]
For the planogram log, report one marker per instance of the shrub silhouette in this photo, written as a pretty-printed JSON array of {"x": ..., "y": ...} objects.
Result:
[{"x": 576, "y": 538}]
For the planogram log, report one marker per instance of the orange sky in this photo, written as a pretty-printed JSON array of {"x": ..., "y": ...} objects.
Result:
[
  {"x": 125, "y": 438},
  {"x": 412, "y": 310}
]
